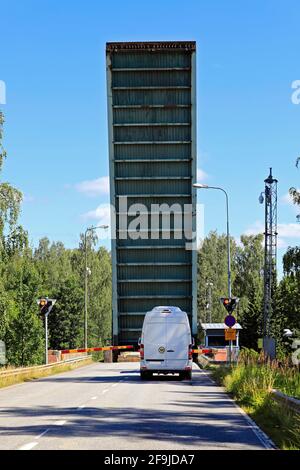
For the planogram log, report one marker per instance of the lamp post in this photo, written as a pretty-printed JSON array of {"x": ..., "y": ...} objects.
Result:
[
  {"x": 86, "y": 273},
  {"x": 209, "y": 285},
  {"x": 205, "y": 186}
]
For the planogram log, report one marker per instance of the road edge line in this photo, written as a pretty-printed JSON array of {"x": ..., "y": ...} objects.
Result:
[{"x": 260, "y": 434}]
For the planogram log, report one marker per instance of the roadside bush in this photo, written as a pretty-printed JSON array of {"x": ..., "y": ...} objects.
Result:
[{"x": 251, "y": 380}]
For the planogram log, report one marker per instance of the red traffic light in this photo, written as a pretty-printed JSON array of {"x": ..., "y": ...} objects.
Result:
[
  {"x": 229, "y": 303},
  {"x": 45, "y": 305}
]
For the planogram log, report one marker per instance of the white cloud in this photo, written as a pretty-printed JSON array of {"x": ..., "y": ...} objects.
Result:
[
  {"x": 285, "y": 231},
  {"x": 286, "y": 199},
  {"x": 281, "y": 243},
  {"x": 28, "y": 198},
  {"x": 101, "y": 214},
  {"x": 289, "y": 230},
  {"x": 97, "y": 187},
  {"x": 255, "y": 228},
  {"x": 201, "y": 175}
]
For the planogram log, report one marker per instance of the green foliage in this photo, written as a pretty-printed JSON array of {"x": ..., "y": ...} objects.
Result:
[
  {"x": 2, "y": 150},
  {"x": 212, "y": 267},
  {"x": 291, "y": 262},
  {"x": 49, "y": 270},
  {"x": 100, "y": 305},
  {"x": 251, "y": 381},
  {"x": 248, "y": 287},
  {"x": 65, "y": 320},
  {"x": 251, "y": 320},
  {"x": 24, "y": 335},
  {"x": 287, "y": 305},
  {"x": 247, "y": 262},
  {"x": 294, "y": 193},
  {"x": 10, "y": 198}
]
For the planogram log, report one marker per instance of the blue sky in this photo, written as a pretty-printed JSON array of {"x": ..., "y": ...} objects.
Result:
[{"x": 52, "y": 61}]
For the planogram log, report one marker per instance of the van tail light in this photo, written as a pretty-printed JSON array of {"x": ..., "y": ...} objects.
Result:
[
  {"x": 190, "y": 351},
  {"x": 141, "y": 351}
]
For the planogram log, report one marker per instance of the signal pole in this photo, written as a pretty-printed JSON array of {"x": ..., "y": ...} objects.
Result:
[
  {"x": 270, "y": 194},
  {"x": 46, "y": 305},
  {"x": 209, "y": 286},
  {"x": 86, "y": 273}
]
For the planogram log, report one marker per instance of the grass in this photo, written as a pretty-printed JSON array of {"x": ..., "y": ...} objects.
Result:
[
  {"x": 37, "y": 374},
  {"x": 251, "y": 381}
]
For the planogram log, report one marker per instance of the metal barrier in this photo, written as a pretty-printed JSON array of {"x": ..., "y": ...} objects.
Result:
[
  {"x": 104, "y": 348},
  {"x": 290, "y": 402},
  {"x": 25, "y": 370}
]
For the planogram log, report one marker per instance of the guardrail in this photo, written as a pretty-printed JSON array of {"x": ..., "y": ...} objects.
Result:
[
  {"x": 102, "y": 348},
  {"x": 290, "y": 402},
  {"x": 25, "y": 370}
]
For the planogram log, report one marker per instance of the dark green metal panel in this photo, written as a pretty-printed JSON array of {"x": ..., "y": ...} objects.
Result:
[{"x": 151, "y": 109}]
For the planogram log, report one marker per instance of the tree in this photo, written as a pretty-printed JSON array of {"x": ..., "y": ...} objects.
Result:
[
  {"x": 294, "y": 193},
  {"x": 289, "y": 288},
  {"x": 49, "y": 270},
  {"x": 248, "y": 286},
  {"x": 24, "y": 337},
  {"x": 251, "y": 321},
  {"x": 10, "y": 197},
  {"x": 65, "y": 320},
  {"x": 212, "y": 267},
  {"x": 99, "y": 298}
]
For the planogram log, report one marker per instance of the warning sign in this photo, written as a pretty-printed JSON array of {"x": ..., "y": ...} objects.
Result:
[{"x": 230, "y": 334}]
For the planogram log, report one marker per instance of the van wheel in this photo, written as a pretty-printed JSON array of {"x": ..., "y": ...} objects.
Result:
[
  {"x": 188, "y": 375},
  {"x": 145, "y": 375},
  {"x": 185, "y": 375}
]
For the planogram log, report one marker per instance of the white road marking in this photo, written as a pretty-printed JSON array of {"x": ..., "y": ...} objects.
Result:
[
  {"x": 60, "y": 423},
  {"x": 104, "y": 391},
  {"x": 94, "y": 398},
  {"x": 80, "y": 407},
  {"x": 259, "y": 433},
  {"x": 29, "y": 446},
  {"x": 42, "y": 434},
  {"x": 114, "y": 385}
]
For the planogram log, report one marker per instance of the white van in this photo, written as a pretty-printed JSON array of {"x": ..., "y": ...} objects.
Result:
[{"x": 166, "y": 343}]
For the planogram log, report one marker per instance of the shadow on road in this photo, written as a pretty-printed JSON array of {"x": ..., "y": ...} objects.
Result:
[
  {"x": 193, "y": 416},
  {"x": 132, "y": 376},
  {"x": 194, "y": 428}
]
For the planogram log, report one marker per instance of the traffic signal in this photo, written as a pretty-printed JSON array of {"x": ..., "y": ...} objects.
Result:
[
  {"x": 45, "y": 305},
  {"x": 229, "y": 303}
]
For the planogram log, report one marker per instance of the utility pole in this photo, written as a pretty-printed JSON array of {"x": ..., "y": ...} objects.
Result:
[
  {"x": 87, "y": 272},
  {"x": 209, "y": 300},
  {"x": 46, "y": 305},
  {"x": 270, "y": 198},
  {"x": 205, "y": 186}
]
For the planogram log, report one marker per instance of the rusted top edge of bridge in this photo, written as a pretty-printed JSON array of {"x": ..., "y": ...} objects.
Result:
[{"x": 150, "y": 46}]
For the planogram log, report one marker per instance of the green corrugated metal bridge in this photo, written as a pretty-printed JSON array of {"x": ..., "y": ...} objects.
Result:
[{"x": 152, "y": 146}]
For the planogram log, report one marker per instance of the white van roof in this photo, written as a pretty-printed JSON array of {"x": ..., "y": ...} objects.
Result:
[{"x": 166, "y": 311}]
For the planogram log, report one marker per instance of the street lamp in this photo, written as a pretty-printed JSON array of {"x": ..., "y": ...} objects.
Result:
[
  {"x": 87, "y": 272},
  {"x": 205, "y": 186},
  {"x": 209, "y": 304}
]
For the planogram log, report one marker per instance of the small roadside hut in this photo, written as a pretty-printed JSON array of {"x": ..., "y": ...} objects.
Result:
[{"x": 214, "y": 334}]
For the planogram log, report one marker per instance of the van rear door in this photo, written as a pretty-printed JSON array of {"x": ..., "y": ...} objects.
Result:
[
  {"x": 177, "y": 345},
  {"x": 155, "y": 346}
]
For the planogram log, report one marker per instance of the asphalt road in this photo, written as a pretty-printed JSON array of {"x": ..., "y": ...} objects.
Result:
[{"x": 107, "y": 406}]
